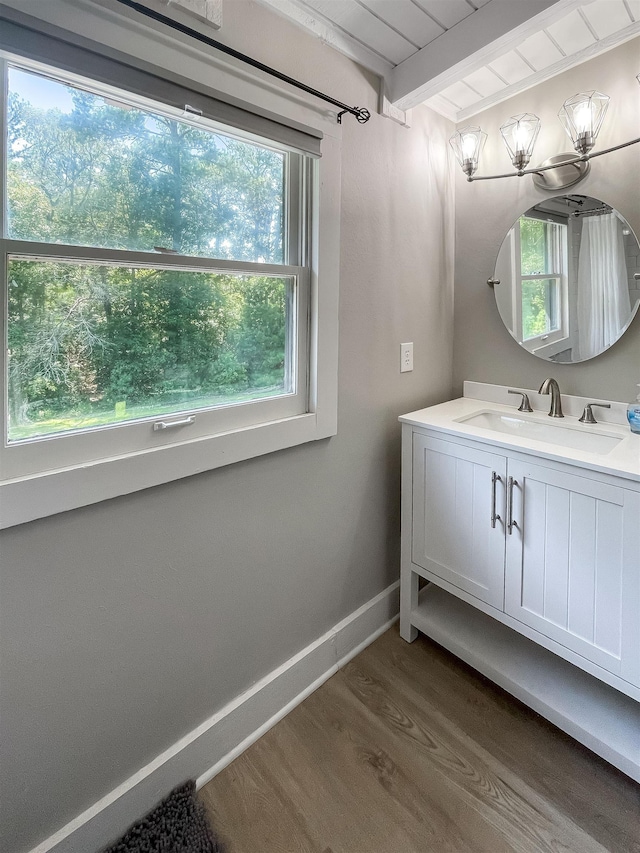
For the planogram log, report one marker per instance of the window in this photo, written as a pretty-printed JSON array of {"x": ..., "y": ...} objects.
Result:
[
  {"x": 540, "y": 249},
  {"x": 160, "y": 281}
]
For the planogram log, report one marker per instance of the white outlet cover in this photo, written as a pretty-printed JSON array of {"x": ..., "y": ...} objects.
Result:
[{"x": 406, "y": 357}]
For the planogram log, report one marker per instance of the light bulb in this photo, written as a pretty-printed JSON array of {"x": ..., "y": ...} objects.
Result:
[
  {"x": 519, "y": 135},
  {"x": 467, "y": 144},
  {"x": 521, "y": 138},
  {"x": 582, "y": 118}
]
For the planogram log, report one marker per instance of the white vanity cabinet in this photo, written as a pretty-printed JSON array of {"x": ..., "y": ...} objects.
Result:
[
  {"x": 531, "y": 562},
  {"x": 555, "y": 549}
]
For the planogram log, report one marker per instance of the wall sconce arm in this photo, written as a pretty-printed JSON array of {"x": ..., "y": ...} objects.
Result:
[{"x": 568, "y": 160}]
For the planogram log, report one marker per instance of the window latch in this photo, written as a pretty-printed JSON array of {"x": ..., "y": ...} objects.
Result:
[{"x": 158, "y": 425}]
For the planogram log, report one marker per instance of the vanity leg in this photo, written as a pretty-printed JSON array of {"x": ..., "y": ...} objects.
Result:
[
  {"x": 408, "y": 601},
  {"x": 408, "y": 580}
]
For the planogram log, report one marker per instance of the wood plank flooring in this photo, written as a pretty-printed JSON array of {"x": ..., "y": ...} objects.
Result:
[{"x": 408, "y": 750}]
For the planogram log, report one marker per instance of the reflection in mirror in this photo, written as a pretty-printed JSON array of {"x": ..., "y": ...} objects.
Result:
[{"x": 569, "y": 278}]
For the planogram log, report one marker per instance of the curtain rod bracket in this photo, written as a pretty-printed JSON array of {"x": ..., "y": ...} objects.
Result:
[{"x": 361, "y": 114}]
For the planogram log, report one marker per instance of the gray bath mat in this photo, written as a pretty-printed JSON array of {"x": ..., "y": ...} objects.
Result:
[{"x": 177, "y": 825}]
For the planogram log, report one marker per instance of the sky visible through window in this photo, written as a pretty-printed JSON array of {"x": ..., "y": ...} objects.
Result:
[{"x": 41, "y": 92}]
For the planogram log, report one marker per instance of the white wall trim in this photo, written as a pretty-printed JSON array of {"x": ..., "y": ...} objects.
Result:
[{"x": 215, "y": 743}]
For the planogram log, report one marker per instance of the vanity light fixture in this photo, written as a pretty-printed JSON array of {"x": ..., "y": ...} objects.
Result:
[
  {"x": 581, "y": 116},
  {"x": 467, "y": 145},
  {"x": 519, "y": 135}
]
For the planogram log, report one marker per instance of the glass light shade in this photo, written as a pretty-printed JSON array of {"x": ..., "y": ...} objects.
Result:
[
  {"x": 519, "y": 135},
  {"x": 467, "y": 144},
  {"x": 582, "y": 117}
]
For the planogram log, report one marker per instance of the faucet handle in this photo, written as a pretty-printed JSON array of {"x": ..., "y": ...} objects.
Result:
[
  {"x": 587, "y": 415},
  {"x": 525, "y": 405}
]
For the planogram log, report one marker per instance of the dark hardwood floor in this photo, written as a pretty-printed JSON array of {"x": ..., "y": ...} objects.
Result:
[{"x": 408, "y": 750}]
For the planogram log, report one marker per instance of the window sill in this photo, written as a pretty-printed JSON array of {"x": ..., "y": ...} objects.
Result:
[{"x": 37, "y": 496}]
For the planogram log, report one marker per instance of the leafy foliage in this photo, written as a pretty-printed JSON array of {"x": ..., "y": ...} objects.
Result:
[
  {"x": 83, "y": 336},
  {"x": 538, "y": 248}
]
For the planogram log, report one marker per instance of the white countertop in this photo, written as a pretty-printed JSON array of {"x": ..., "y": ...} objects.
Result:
[{"x": 623, "y": 460}]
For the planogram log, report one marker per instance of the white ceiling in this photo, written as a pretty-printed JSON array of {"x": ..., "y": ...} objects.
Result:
[{"x": 462, "y": 56}]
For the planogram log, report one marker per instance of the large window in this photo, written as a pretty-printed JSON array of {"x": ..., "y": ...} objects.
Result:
[
  {"x": 158, "y": 275},
  {"x": 95, "y": 341},
  {"x": 540, "y": 248}
]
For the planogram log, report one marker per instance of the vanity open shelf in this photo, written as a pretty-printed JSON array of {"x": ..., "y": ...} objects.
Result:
[
  {"x": 530, "y": 547},
  {"x": 605, "y": 720}
]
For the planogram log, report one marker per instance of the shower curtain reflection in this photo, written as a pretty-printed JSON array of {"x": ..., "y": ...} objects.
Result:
[{"x": 604, "y": 305}]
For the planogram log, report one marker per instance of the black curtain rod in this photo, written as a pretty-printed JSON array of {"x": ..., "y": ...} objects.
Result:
[
  {"x": 596, "y": 211},
  {"x": 361, "y": 114}
]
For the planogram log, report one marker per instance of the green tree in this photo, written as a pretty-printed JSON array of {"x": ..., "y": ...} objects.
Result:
[{"x": 84, "y": 336}]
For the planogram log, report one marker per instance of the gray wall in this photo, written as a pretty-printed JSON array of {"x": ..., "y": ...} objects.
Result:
[
  {"x": 126, "y": 624},
  {"x": 484, "y": 350}
]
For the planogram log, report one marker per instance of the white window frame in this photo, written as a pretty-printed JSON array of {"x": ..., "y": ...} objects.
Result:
[
  {"x": 60, "y": 486},
  {"x": 560, "y": 275}
]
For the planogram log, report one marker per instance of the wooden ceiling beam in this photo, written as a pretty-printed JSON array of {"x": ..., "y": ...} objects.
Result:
[{"x": 490, "y": 31}]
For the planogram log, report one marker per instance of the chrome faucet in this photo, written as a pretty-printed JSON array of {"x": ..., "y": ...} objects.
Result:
[{"x": 550, "y": 386}]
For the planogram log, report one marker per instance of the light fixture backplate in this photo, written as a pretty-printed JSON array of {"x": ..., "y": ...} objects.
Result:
[{"x": 563, "y": 176}]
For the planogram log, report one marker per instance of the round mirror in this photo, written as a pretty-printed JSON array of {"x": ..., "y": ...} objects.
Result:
[{"x": 568, "y": 278}]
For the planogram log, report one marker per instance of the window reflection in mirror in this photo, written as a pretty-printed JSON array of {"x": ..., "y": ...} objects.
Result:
[
  {"x": 542, "y": 263},
  {"x": 569, "y": 273}
]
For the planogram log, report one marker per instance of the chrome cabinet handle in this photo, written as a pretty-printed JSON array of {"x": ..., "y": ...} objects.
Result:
[
  {"x": 170, "y": 424},
  {"x": 495, "y": 478},
  {"x": 510, "y": 521}
]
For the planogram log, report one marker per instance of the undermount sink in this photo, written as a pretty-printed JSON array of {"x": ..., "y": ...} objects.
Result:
[{"x": 553, "y": 432}]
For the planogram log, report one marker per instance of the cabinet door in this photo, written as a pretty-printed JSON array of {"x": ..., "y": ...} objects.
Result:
[
  {"x": 570, "y": 564},
  {"x": 453, "y": 536}
]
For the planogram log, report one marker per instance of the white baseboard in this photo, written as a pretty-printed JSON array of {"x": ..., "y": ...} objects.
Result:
[{"x": 210, "y": 747}]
